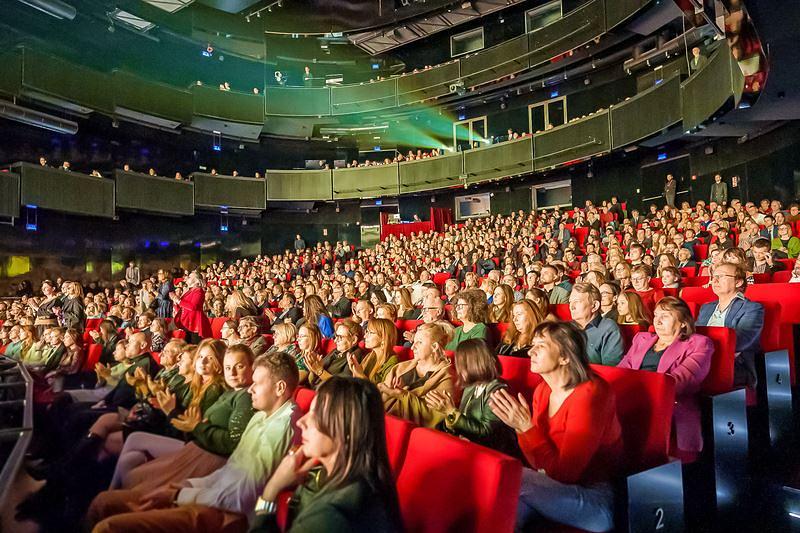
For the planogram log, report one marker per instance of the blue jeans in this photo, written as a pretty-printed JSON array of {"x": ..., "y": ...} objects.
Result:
[{"x": 541, "y": 497}]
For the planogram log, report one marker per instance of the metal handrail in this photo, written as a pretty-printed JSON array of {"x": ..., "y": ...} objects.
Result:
[{"x": 25, "y": 433}]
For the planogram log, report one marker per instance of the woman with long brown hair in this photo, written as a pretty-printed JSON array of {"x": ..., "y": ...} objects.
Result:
[
  {"x": 525, "y": 316},
  {"x": 502, "y": 302},
  {"x": 315, "y": 313},
  {"x": 380, "y": 336},
  {"x": 632, "y": 310},
  {"x": 344, "y": 432},
  {"x": 405, "y": 307}
]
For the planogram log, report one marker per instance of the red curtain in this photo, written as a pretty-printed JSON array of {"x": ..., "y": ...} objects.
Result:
[{"x": 440, "y": 217}]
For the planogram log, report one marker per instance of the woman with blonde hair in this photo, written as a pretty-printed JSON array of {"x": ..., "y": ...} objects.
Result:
[
  {"x": 502, "y": 302},
  {"x": 525, "y": 316},
  {"x": 407, "y": 384},
  {"x": 380, "y": 336},
  {"x": 308, "y": 341},
  {"x": 238, "y": 305},
  {"x": 387, "y": 311}
]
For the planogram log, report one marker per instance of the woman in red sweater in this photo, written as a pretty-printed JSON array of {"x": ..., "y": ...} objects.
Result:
[
  {"x": 189, "y": 314},
  {"x": 572, "y": 441}
]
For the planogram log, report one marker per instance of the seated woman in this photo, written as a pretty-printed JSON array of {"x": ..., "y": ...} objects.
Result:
[
  {"x": 343, "y": 432},
  {"x": 405, "y": 307},
  {"x": 284, "y": 340},
  {"x": 387, "y": 311},
  {"x": 106, "y": 335},
  {"x": 322, "y": 368},
  {"x": 640, "y": 281},
  {"x": 237, "y": 305},
  {"x": 502, "y": 301},
  {"x": 158, "y": 334},
  {"x": 380, "y": 336},
  {"x": 214, "y": 437},
  {"x": 478, "y": 372},
  {"x": 407, "y": 384},
  {"x": 65, "y": 374},
  {"x": 676, "y": 349},
  {"x": 541, "y": 301},
  {"x": 670, "y": 278},
  {"x": 148, "y": 461},
  {"x": 308, "y": 341},
  {"x": 107, "y": 376},
  {"x": 571, "y": 437},
  {"x": 470, "y": 309},
  {"x": 314, "y": 312},
  {"x": 525, "y": 316},
  {"x": 631, "y": 310}
]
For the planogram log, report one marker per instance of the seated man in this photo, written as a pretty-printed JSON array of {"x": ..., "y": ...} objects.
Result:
[
  {"x": 289, "y": 310},
  {"x": 733, "y": 310},
  {"x": 341, "y": 307},
  {"x": 228, "y": 496},
  {"x": 248, "y": 334},
  {"x": 761, "y": 261},
  {"x": 603, "y": 338},
  {"x": 549, "y": 280},
  {"x": 640, "y": 281}
]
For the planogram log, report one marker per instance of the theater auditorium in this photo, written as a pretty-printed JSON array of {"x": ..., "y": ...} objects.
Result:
[{"x": 473, "y": 266}]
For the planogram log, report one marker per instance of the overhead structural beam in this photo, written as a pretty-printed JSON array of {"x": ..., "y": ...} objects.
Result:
[{"x": 54, "y": 8}]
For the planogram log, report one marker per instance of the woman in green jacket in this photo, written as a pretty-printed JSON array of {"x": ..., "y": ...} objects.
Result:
[
  {"x": 344, "y": 432},
  {"x": 785, "y": 245},
  {"x": 471, "y": 309},
  {"x": 478, "y": 372}
]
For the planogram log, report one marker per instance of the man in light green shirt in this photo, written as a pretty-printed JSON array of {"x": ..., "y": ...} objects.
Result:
[{"x": 227, "y": 497}]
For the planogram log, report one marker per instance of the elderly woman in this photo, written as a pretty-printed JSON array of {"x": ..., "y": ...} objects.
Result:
[
  {"x": 525, "y": 316},
  {"x": 189, "y": 314},
  {"x": 570, "y": 436},
  {"x": 470, "y": 309},
  {"x": 380, "y": 336},
  {"x": 348, "y": 333},
  {"x": 408, "y": 383},
  {"x": 285, "y": 340},
  {"x": 676, "y": 349}
]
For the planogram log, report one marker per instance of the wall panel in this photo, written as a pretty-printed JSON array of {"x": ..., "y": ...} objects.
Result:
[
  {"x": 228, "y": 105},
  {"x": 707, "y": 90},
  {"x": 154, "y": 194},
  {"x": 137, "y": 94},
  {"x": 431, "y": 173},
  {"x": 67, "y": 192},
  {"x": 9, "y": 194},
  {"x": 229, "y": 192},
  {"x": 298, "y": 101},
  {"x": 299, "y": 185},
  {"x": 55, "y": 77},
  {"x": 364, "y": 97},
  {"x": 572, "y": 30},
  {"x": 427, "y": 83},
  {"x": 499, "y": 160},
  {"x": 361, "y": 182},
  {"x": 646, "y": 113},
  {"x": 574, "y": 140},
  {"x": 495, "y": 62}
]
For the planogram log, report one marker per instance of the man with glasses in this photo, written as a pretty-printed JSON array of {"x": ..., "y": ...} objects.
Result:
[
  {"x": 640, "y": 282},
  {"x": 248, "y": 334},
  {"x": 433, "y": 311},
  {"x": 341, "y": 306},
  {"x": 733, "y": 310}
]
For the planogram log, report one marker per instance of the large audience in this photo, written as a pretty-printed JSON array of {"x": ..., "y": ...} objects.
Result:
[{"x": 188, "y": 421}]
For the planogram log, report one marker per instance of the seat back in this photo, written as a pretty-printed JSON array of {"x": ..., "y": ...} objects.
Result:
[
  {"x": 92, "y": 323},
  {"x": 688, "y": 272},
  {"x": 450, "y": 484},
  {"x": 440, "y": 277},
  {"x": 178, "y": 334},
  {"x": 700, "y": 252},
  {"x": 561, "y": 311},
  {"x": 782, "y": 276},
  {"x": 697, "y": 281},
  {"x": 327, "y": 346},
  {"x": 398, "y": 432},
  {"x": 216, "y": 326},
  {"x": 698, "y": 295},
  {"x": 516, "y": 371},
  {"x": 93, "y": 353},
  {"x": 403, "y": 353},
  {"x": 628, "y": 332},
  {"x": 720, "y": 376},
  {"x": 303, "y": 397},
  {"x": 645, "y": 401}
]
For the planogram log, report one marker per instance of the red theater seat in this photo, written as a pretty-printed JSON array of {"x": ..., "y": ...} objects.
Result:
[
  {"x": 782, "y": 276},
  {"x": 93, "y": 354},
  {"x": 398, "y": 432},
  {"x": 516, "y": 371},
  {"x": 92, "y": 324},
  {"x": 561, "y": 311},
  {"x": 645, "y": 401},
  {"x": 698, "y": 295},
  {"x": 449, "y": 484},
  {"x": 403, "y": 353},
  {"x": 720, "y": 376},
  {"x": 628, "y": 332},
  {"x": 178, "y": 334},
  {"x": 303, "y": 397},
  {"x": 440, "y": 278},
  {"x": 216, "y": 326},
  {"x": 327, "y": 346}
]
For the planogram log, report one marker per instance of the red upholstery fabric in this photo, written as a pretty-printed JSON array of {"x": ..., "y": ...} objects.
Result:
[
  {"x": 440, "y": 278},
  {"x": 216, "y": 326},
  {"x": 645, "y": 401},
  {"x": 697, "y": 281},
  {"x": 782, "y": 276},
  {"x": 762, "y": 278},
  {"x": 328, "y": 345},
  {"x": 406, "y": 325},
  {"x": 700, "y": 252},
  {"x": 178, "y": 334},
  {"x": 398, "y": 432},
  {"x": 303, "y": 397},
  {"x": 405, "y": 229},
  {"x": 699, "y": 295},
  {"x": 720, "y": 376},
  {"x": 449, "y": 484},
  {"x": 516, "y": 371},
  {"x": 92, "y": 357},
  {"x": 403, "y": 353},
  {"x": 628, "y": 331},
  {"x": 561, "y": 311},
  {"x": 92, "y": 323},
  {"x": 581, "y": 234},
  {"x": 688, "y": 272}
]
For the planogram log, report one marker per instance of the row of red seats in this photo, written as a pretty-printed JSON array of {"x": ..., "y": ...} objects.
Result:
[{"x": 431, "y": 466}]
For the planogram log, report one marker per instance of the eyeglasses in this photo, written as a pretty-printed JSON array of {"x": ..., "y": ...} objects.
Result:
[
  {"x": 341, "y": 337},
  {"x": 718, "y": 277}
]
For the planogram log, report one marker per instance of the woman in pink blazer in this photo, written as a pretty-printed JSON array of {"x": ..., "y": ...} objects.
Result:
[{"x": 675, "y": 349}]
